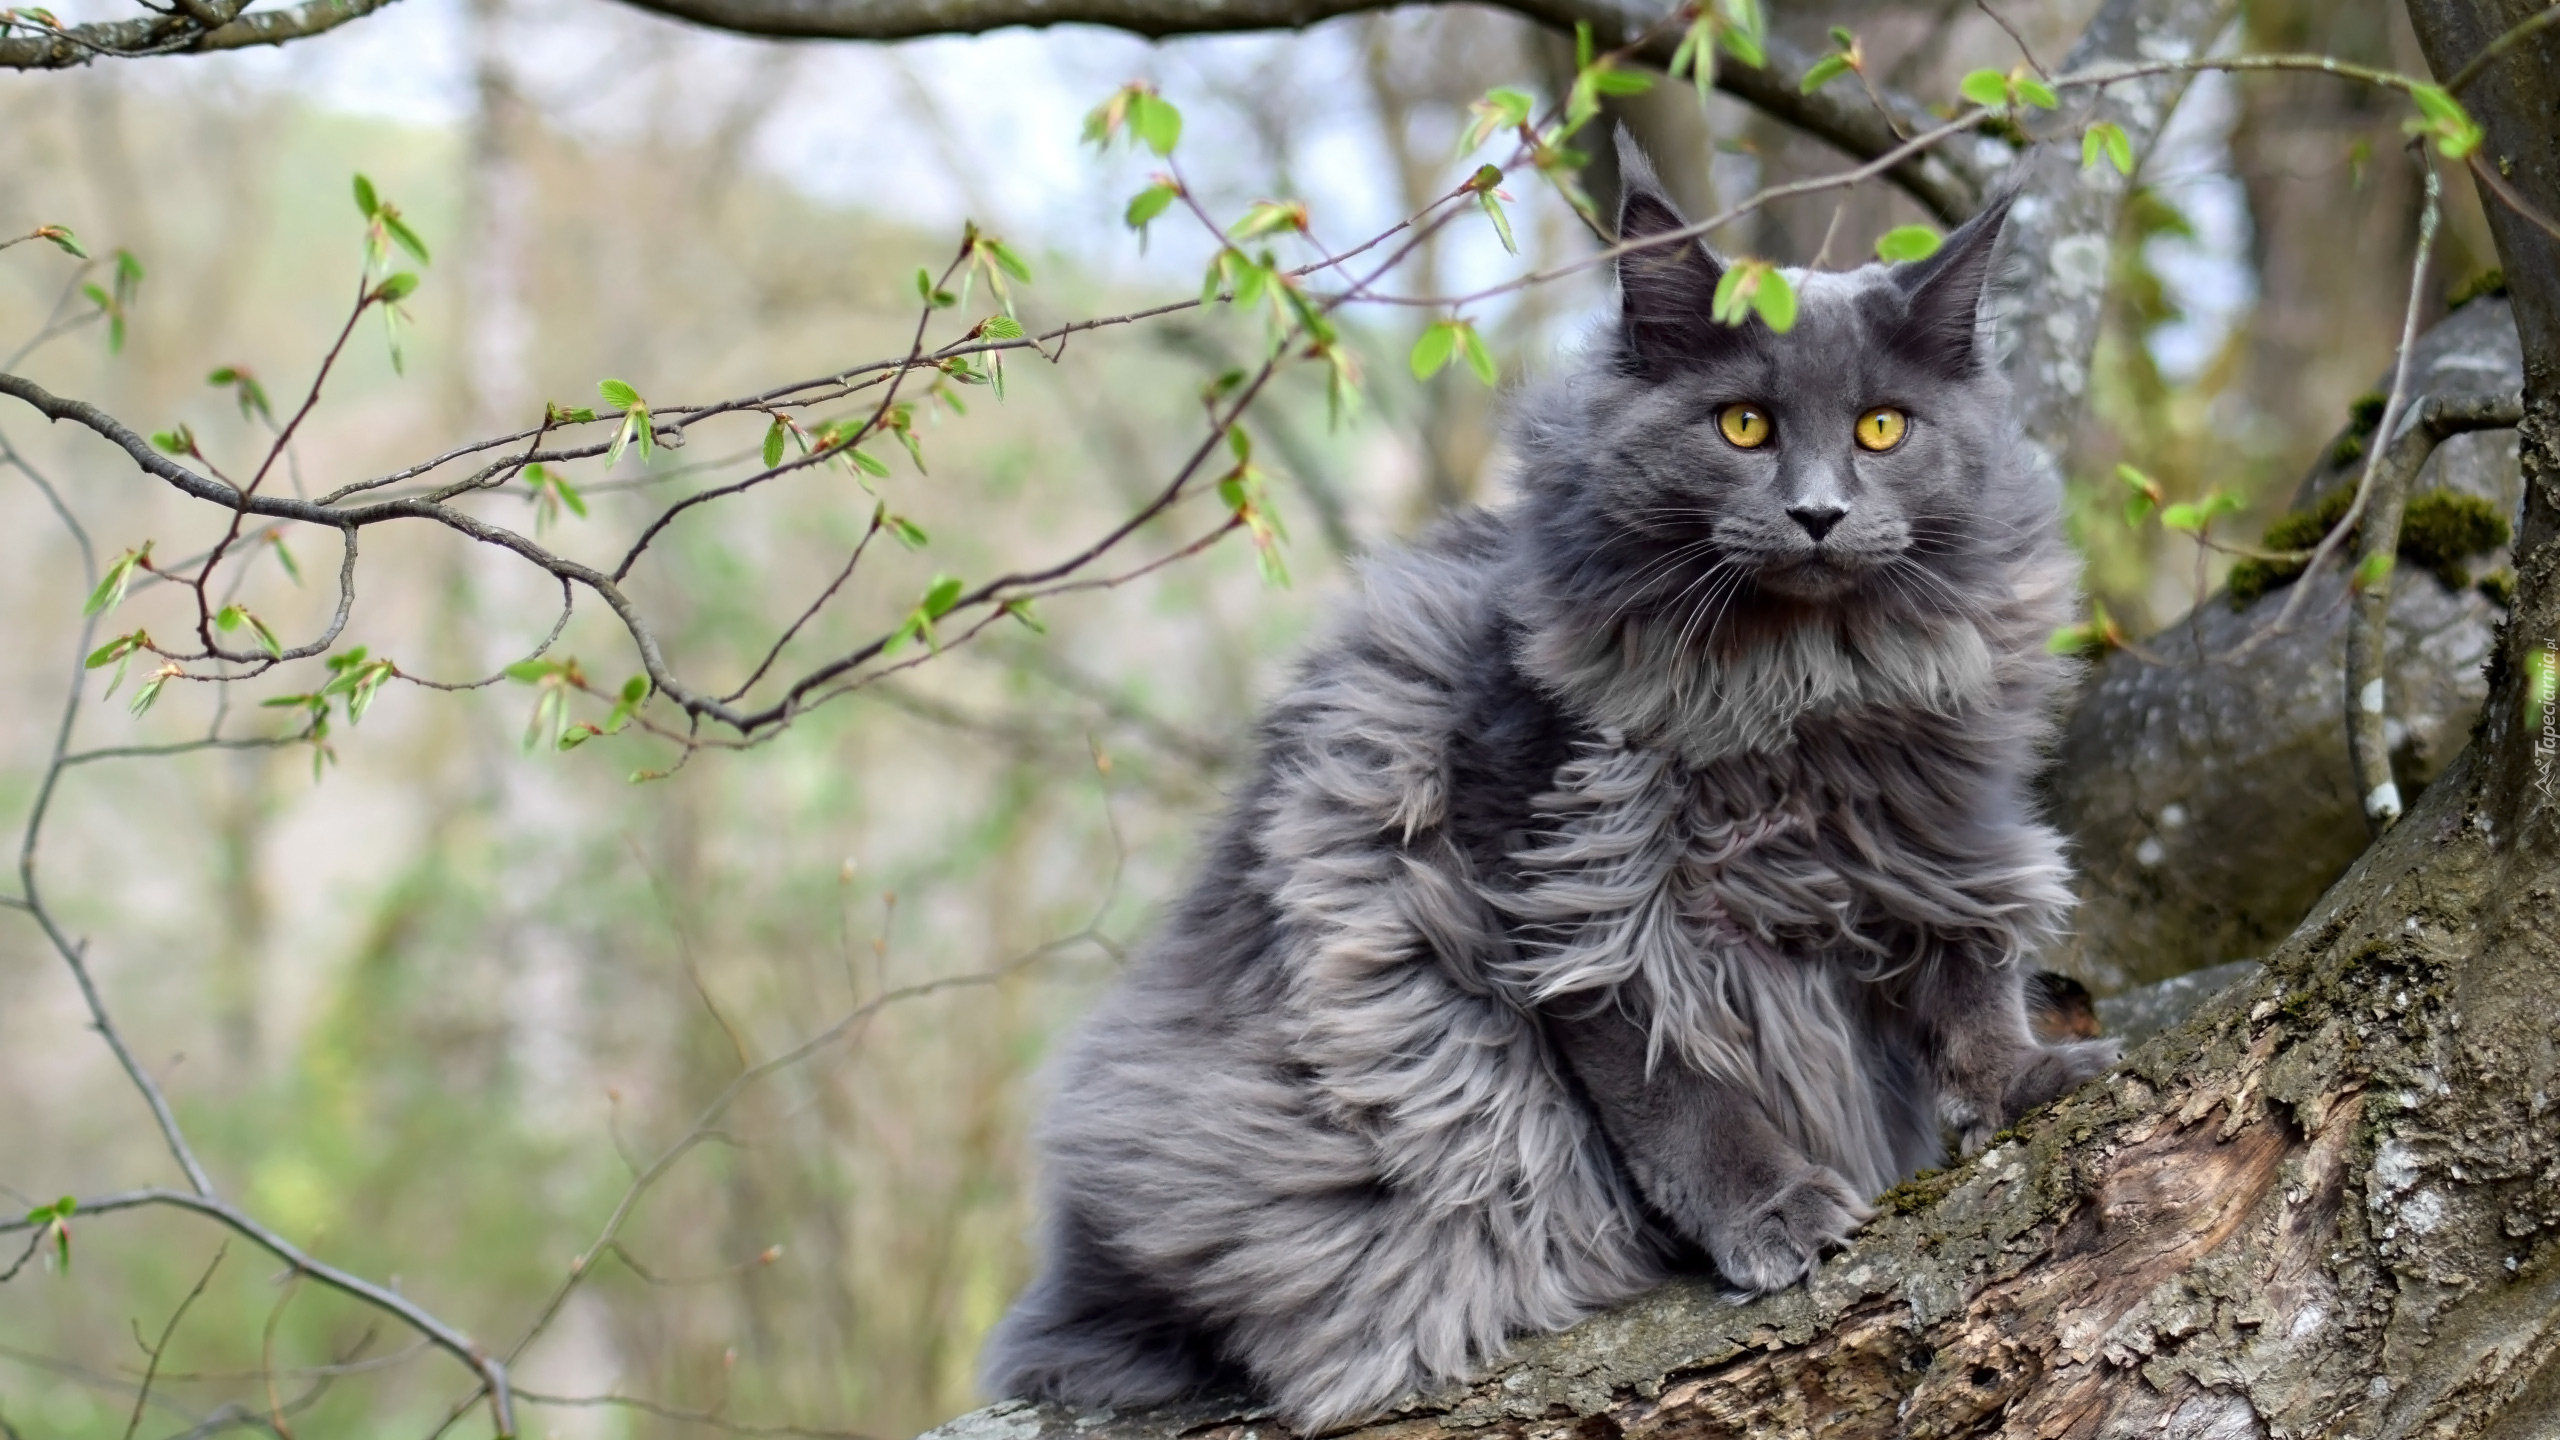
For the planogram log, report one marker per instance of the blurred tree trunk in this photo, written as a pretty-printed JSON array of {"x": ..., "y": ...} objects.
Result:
[
  {"x": 2210, "y": 804},
  {"x": 2328, "y": 1205}
]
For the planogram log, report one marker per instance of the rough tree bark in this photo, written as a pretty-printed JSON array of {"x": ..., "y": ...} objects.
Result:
[{"x": 2328, "y": 1205}]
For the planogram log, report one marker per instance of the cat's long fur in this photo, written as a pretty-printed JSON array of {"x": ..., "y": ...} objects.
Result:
[{"x": 1602, "y": 902}]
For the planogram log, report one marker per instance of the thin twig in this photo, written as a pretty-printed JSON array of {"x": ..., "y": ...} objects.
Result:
[
  {"x": 2019, "y": 40},
  {"x": 2384, "y": 430},
  {"x": 2377, "y": 542},
  {"x": 151, "y": 1372}
]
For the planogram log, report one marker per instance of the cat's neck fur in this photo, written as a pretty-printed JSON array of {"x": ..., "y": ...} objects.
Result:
[{"x": 1660, "y": 688}]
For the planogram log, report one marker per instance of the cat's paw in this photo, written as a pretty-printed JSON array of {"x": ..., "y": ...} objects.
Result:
[
  {"x": 2054, "y": 1071},
  {"x": 1780, "y": 1240},
  {"x": 1979, "y": 1110}
]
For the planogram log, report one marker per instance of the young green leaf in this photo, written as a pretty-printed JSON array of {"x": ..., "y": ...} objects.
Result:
[
  {"x": 1822, "y": 72},
  {"x": 1744, "y": 32},
  {"x": 1149, "y": 203},
  {"x": 2034, "y": 92},
  {"x": 1492, "y": 207},
  {"x": 245, "y": 388},
  {"x": 617, "y": 394},
  {"x": 115, "y": 650},
  {"x": 365, "y": 198},
  {"x": 1986, "y": 88},
  {"x": 1501, "y": 109},
  {"x": 1479, "y": 356},
  {"x": 1267, "y": 217},
  {"x": 2081, "y": 639},
  {"x": 150, "y": 691},
  {"x": 118, "y": 652},
  {"x": 2145, "y": 498},
  {"x": 1908, "y": 242},
  {"x": 1005, "y": 259},
  {"x": 2107, "y": 138},
  {"x": 773, "y": 443},
  {"x": 2443, "y": 118},
  {"x": 111, "y": 586},
  {"x": 63, "y": 240},
  {"x": 940, "y": 595},
  {"x": 1776, "y": 301},
  {"x": 396, "y": 287},
  {"x": 1696, "y": 55},
  {"x": 1731, "y": 304},
  {"x": 401, "y": 235},
  {"x": 1435, "y": 347},
  {"x": 1155, "y": 121},
  {"x": 266, "y": 638}
]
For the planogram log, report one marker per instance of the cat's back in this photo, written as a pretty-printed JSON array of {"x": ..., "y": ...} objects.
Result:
[{"x": 1361, "y": 752}]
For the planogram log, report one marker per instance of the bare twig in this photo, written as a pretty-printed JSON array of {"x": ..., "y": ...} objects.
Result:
[
  {"x": 2384, "y": 430},
  {"x": 492, "y": 1372},
  {"x": 2383, "y": 493},
  {"x": 2015, "y": 38},
  {"x": 142, "y": 1396},
  {"x": 35, "y": 1242}
]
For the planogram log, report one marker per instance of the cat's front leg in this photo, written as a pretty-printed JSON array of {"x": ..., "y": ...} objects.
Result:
[
  {"x": 1989, "y": 1067},
  {"x": 1705, "y": 1155}
]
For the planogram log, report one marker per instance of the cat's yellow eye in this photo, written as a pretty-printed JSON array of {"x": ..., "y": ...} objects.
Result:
[
  {"x": 1882, "y": 428},
  {"x": 1746, "y": 427}
]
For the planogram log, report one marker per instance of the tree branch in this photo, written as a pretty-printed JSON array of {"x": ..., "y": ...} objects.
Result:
[
  {"x": 1949, "y": 184},
  {"x": 217, "y": 25},
  {"x": 491, "y": 1371}
]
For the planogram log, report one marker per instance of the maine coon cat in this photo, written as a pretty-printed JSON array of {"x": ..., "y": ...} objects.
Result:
[{"x": 1638, "y": 880}]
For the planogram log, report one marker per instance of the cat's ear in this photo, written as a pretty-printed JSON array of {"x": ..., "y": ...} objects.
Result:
[
  {"x": 1665, "y": 292},
  {"x": 1942, "y": 301}
]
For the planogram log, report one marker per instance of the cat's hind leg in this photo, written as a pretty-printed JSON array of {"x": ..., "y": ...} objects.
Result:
[{"x": 1091, "y": 1331}]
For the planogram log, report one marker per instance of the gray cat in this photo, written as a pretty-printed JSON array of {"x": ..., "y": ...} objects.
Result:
[{"x": 1638, "y": 881}]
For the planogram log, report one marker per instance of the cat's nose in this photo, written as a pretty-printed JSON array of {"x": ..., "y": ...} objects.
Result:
[{"x": 1817, "y": 517}]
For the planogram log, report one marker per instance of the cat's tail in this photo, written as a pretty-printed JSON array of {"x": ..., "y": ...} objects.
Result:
[{"x": 1088, "y": 1333}]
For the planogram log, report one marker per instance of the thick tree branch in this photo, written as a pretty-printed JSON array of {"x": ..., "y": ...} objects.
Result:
[
  {"x": 1840, "y": 115},
  {"x": 208, "y": 26}
]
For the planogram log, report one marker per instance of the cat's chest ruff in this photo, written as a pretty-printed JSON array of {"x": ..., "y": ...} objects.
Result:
[{"x": 1646, "y": 684}]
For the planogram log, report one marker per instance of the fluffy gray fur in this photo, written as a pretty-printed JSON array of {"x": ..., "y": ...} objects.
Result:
[{"x": 1638, "y": 880}]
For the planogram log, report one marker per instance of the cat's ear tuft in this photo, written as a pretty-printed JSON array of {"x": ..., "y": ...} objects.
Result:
[
  {"x": 1665, "y": 292},
  {"x": 1943, "y": 294}
]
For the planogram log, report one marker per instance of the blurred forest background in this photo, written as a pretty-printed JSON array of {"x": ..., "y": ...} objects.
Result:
[{"x": 425, "y": 1007}]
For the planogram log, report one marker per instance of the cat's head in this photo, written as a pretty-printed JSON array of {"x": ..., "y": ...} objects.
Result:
[{"x": 1702, "y": 474}]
